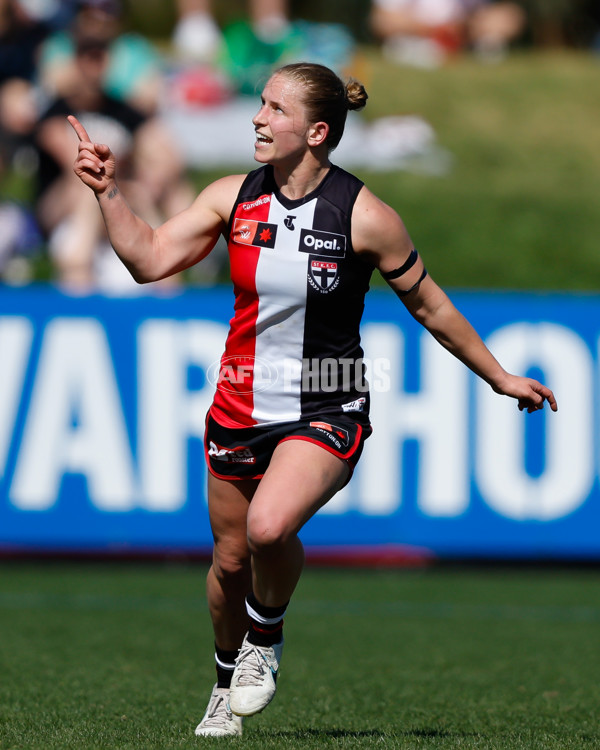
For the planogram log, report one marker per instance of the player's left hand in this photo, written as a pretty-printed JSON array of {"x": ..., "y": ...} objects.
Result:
[
  {"x": 530, "y": 394},
  {"x": 95, "y": 162}
]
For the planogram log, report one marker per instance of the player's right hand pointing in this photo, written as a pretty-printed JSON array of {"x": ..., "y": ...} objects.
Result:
[{"x": 95, "y": 162}]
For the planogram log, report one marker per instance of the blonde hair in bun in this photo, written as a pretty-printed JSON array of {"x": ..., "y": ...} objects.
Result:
[
  {"x": 356, "y": 94},
  {"x": 327, "y": 98}
]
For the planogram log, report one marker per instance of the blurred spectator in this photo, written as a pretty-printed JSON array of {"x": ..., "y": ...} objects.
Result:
[
  {"x": 20, "y": 39},
  {"x": 426, "y": 32},
  {"x": 149, "y": 165},
  {"x": 133, "y": 73},
  {"x": 56, "y": 14},
  {"x": 248, "y": 49},
  {"x": 493, "y": 27},
  {"x": 197, "y": 35},
  {"x": 21, "y": 35}
]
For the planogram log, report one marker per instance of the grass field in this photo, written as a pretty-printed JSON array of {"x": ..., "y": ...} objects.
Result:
[
  {"x": 120, "y": 656},
  {"x": 517, "y": 210}
]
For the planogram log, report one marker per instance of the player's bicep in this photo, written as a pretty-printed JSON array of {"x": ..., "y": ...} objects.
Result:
[
  {"x": 406, "y": 278},
  {"x": 379, "y": 233},
  {"x": 190, "y": 235}
]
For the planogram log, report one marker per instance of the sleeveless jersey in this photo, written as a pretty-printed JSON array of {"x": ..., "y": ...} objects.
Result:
[{"x": 293, "y": 349}]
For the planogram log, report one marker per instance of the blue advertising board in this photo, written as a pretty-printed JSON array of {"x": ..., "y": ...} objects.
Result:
[{"x": 103, "y": 402}]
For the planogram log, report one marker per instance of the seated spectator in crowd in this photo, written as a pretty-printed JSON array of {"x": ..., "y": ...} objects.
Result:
[
  {"x": 18, "y": 114},
  {"x": 426, "y": 32},
  {"x": 20, "y": 39},
  {"x": 197, "y": 35},
  {"x": 21, "y": 35},
  {"x": 247, "y": 49},
  {"x": 494, "y": 26},
  {"x": 149, "y": 165},
  {"x": 134, "y": 70}
]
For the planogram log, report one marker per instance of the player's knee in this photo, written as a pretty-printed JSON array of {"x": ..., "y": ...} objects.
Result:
[
  {"x": 267, "y": 534},
  {"x": 230, "y": 565}
]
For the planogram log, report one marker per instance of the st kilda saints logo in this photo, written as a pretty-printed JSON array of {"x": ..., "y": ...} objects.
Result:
[
  {"x": 323, "y": 275},
  {"x": 324, "y": 248}
]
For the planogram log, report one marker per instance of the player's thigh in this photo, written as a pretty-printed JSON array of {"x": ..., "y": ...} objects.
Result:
[{"x": 300, "y": 479}]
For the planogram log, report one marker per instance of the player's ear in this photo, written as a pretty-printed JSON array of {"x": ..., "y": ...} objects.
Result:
[{"x": 317, "y": 133}]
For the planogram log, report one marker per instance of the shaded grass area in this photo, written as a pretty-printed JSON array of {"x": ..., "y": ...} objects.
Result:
[
  {"x": 120, "y": 656},
  {"x": 517, "y": 210}
]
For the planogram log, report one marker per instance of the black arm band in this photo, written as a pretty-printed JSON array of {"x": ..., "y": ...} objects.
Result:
[
  {"x": 410, "y": 262},
  {"x": 404, "y": 292}
]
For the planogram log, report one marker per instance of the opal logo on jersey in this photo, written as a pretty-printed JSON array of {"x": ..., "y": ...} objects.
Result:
[
  {"x": 323, "y": 275},
  {"x": 322, "y": 243},
  {"x": 240, "y": 375},
  {"x": 255, "y": 233}
]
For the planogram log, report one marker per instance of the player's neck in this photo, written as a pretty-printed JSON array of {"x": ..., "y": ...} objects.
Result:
[{"x": 302, "y": 180}]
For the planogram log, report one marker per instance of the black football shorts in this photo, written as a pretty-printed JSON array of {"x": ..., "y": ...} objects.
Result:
[{"x": 245, "y": 452}]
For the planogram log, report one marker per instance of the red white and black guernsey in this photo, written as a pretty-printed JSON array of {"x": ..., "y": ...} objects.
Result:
[{"x": 293, "y": 349}]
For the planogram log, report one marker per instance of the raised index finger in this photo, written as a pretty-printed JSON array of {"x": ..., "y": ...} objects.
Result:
[{"x": 78, "y": 128}]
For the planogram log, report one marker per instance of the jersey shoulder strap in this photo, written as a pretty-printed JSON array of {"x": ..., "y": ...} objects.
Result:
[{"x": 256, "y": 183}]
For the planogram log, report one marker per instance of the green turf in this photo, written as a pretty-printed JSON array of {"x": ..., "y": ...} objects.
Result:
[
  {"x": 120, "y": 656},
  {"x": 517, "y": 210}
]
